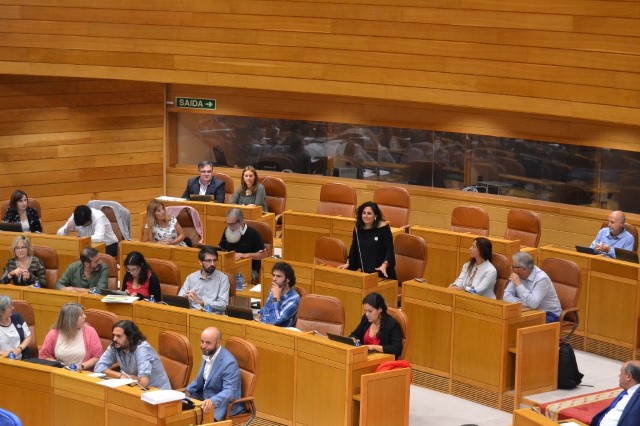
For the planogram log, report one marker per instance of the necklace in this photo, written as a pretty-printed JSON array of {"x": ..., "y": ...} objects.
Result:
[{"x": 247, "y": 192}]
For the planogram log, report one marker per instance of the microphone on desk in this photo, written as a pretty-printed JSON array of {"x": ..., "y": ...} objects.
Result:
[
  {"x": 134, "y": 381},
  {"x": 355, "y": 228}
]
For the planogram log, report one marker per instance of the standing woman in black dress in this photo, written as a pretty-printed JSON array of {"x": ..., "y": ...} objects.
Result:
[{"x": 372, "y": 243}]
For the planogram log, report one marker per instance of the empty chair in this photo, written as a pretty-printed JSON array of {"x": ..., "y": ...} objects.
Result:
[
  {"x": 631, "y": 229},
  {"x": 337, "y": 199},
  {"x": 103, "y": 322},
  {"x": 118, "y": 215},
  {"x": 32, "y": 202},
  {"x": 395, "y": 204},
  {"x": 411, "y": 258},
  {"x": 471, "y": 219},
  {"x": 266, "y": 233},
  {"x": 523, "y": 225},
  {"x": 324, "y": 314},
  {"x": 426, "y": 173},
  {"x": 228, "y": 185},
  {"x": 567, "y": 280},
  {"x": 330, "y": 251},
  {"x": 49, "y": 258},
  {"x": 110, "y": 261},
  {"x": 168, "y": 274},
  {"x": 246, "y": 354},
  {"x": 26, "y": 312},
  {"x": 276, "y": 192},
  {"x": 174, "y": 350},
  {"x": 403, "y": 321},
  {"x": 276, "y": 163},
  {"x": 189, "y": 220},
  {"x": 503, "y": 268}
]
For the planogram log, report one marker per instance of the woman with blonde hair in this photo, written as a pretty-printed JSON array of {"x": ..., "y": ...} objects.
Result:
[
  {"x": 23, "y": 268},
  {"x": 251, "y": 192},
  {"x": 71, "y": 340},
  {"x": 159, "y": 228}
]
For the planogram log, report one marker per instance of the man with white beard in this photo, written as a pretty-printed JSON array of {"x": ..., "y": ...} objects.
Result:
[
  {"x": 244, "y": 240},
  {"x": 207, "y": 287}
]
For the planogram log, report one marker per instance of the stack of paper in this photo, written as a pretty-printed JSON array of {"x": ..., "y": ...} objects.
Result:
[{"x": 114, "y": 298}]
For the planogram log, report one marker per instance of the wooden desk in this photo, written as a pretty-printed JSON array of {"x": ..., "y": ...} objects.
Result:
[
  {"x": 447, "y": 251},
  {"x": 213, "y": 216},
  {"x": 41, "y": 395},
  {"x": 609, "y": 304},
  {"x": 185, "y": 258},
  {"x": 67, "y": 247},
  {"x": 528, "y": 417},
  {"x": 459, "y": 343},
  {"x": 295, "y": 368},
  {"x": 348, "y": 286}
]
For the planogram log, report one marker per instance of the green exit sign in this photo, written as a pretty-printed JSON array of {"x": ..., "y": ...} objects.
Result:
[{"x": 196, "y": 103}]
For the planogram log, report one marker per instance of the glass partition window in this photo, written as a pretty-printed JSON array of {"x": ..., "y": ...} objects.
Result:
[{"x": 563, "y": 173}]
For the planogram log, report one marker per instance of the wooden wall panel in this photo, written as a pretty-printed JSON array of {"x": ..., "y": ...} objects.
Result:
[{"x": 67, "y": 141}]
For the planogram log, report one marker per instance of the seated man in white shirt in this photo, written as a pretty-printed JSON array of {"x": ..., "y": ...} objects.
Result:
[
  {"x": 625, "y": 409},
  {"x": 92, "y": 223},
  {"x": 207, "y": 288}
]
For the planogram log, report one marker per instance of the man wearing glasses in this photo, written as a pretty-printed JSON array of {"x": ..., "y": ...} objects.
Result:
[
  {"x": 207, "y": 288},
  {"x": 533, "y": 287},
  {"x": 205, "y": 184},
  {"x": 244, "y": 240}
]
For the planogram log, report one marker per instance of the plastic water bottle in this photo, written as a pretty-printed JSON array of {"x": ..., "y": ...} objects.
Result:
[
  {"x": 152, "y": 299},
  {"x": 239, "y": 281},
  {"x": 36, "y": 284},
  {"x": 12, "y": 355},
  {"x": 94, "y": 290},
  {"x": 73, "y": 367},
  {"x": 208, "y": 308}
]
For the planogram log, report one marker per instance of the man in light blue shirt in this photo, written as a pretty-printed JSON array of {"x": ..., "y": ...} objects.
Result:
[
  {"x": 533, "y": 287},
  {"x": 614, "y": 235},
  {"x": 136, "y": 357}
]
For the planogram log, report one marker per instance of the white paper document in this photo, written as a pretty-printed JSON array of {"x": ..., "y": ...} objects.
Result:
[
  {"x": 115, "y": 298},
  {"x": 161, "y": 396},
  {"x": 114, "y": 383}
]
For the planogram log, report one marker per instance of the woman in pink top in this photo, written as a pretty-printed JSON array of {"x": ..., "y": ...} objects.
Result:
[{"x": 72, "y": 341}]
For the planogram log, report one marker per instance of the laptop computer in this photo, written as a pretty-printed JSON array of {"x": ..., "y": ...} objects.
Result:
[
  {"x": 109, "y": 292},
  {"x": 627, "y": 255},
  {"x": 346, "y": 340},
  {"x": 239, "y": 312},
  {"x": 10, "y": 227},
  {"x": 587, "y": 250},
  {"x": 178, "y": 301},
  {"x": 205, "y": 198}
]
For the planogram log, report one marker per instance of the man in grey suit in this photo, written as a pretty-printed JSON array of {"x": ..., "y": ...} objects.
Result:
[{"x": 218, "y": 382}]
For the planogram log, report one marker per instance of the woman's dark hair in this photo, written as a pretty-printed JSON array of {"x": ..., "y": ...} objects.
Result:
[
  {"x": 485, "y": 248},
  {"x": 17, "y": 196},
  {"x": 133, "y": 333},
  {"x": 287, "y": 270},
  {"x": 376, "y": 211},
  {"x": 135, "y": 258},
  {"x": 376, "y": 301}
]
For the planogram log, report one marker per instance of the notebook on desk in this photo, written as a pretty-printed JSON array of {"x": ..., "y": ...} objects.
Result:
[
  {"x": 205, "y": 198},
  {"x": 627, "y": 255},
  {"x": 346, "y": 340},
  {"x": 109, "y": 292},
  {"x": 587, "y": 250},
  {"x": 10, "y": 227}
]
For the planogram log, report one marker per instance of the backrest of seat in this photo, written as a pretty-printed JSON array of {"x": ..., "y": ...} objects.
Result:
[
  {"x": 402, "y": 319},
  {"x": 168, "y": 274},
  {"x": 26, "y": 312},
  {"x": 32, "y": 203},
  {"x": 266, "y": 233},
  {"x": 103, "y": 322},
  {"x": 395, "y": 204},
  {"x": 523, "y": 225},
  {"x": 411, "y": 257},
  {"x": 501, "y": 263},
  {"x": 337, "y": 199},
  {"x": 631, "y": 229},
  {"x": 186, "y": 222},
  {"x": 301, "y": 291},
  {"x": 228, "y": 185},
  {"x": 232, "y": 287},
  {"x": 566, "y": 278},
  {"x": 109, "y": 213},
  {"x": 276, "y": 194},
  {"x": 324, "y": 314},
  {"x": 330, "y": 251},
  {"x": 49, "y": 258},
  {"x": 246, "y": 354},
  {"x": 175, "y": 353},
  {"x": 471, "y": 219},
  {"x": 110, "y": 261}
]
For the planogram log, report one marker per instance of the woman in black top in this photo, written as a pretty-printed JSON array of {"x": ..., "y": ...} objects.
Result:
[
  {"x": 372, "y": 243},
  {"x": 18, "y": 212},
  {"x": 377, "y": 329}
]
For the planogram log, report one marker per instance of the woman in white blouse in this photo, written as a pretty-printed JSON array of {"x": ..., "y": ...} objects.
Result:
[{"x": 478, "y": 275}]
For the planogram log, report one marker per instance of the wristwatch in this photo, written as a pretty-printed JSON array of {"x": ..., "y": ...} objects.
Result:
[{"x": 275, "y": 299}]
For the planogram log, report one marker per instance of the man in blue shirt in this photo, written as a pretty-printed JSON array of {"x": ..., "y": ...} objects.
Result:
[
  {"x": 282, "y": 304},
  {"x": 615, "y": 235}
]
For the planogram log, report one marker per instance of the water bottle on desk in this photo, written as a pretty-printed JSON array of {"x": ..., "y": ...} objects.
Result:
[
  {"x": 94, "y": 290},
  {"x": 12, "y": 355},
  {"x": 36, "y": 284},
  {"x": 239, "y": 281},
  {"x": 152, "y": 299}
]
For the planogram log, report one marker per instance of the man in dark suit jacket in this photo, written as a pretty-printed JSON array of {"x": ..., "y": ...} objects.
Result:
[
  {"x": 206, "y": 181},
  {"x": 218, "y": 381},
  {"x": 625, "y": 409}
]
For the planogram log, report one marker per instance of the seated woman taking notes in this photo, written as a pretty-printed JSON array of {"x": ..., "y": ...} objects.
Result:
[
  {"x": 478, "y": 274},
  {"x": 377, "y": 329},
  {"x": 18, "y": 212}
]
